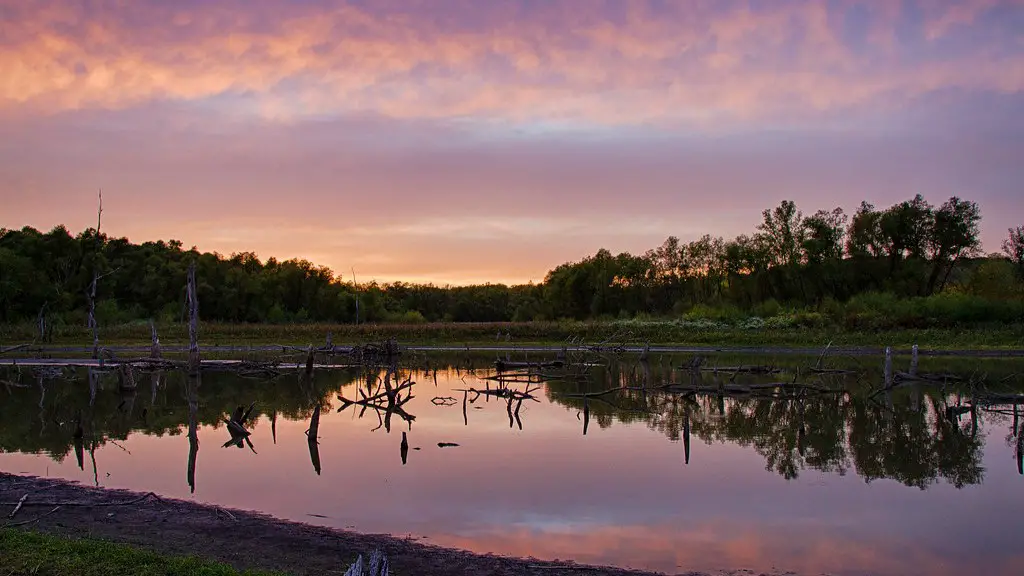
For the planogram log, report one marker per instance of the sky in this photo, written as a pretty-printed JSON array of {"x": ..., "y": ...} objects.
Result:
[{"x": 467, "y": 141}]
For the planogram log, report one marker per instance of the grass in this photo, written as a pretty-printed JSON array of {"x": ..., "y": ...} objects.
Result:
[
  {"x": 519, "y": 333},
  {"x": 30, "y": 553}
]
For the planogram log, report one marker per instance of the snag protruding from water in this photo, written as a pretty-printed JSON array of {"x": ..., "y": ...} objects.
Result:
[{"x": 193, "y": 320}]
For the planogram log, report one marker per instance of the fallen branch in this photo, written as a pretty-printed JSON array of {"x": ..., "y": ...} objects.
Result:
[
  {"x": 90, "y": 504},
  {"x": 18, "y": 507},
  {"x": 36, "y": 519}
]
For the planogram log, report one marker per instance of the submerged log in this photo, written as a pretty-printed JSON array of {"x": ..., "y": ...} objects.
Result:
[{"x": 505, "y": 365}]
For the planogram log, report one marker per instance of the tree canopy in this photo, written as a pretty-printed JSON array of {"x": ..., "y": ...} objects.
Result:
[{"x": 911, "y": 249}]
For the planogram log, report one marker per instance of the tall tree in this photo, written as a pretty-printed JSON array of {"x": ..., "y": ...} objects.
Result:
[
  {"x": 783, "y": 231},
  {"x": 906, "y": 229},
  {"x": 864, "y": 236},
  {"x": 823, "y": 235},
  {"x": 952, "y": 235},
  {"x": 1013, "y": 247}
]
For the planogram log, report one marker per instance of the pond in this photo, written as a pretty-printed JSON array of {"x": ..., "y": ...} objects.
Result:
[{"x": 726, "y": 470}]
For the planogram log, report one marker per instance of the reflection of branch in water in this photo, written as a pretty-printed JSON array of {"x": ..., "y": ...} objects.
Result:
[
  {"x": 93, "y": 382},
  {"x": 95, "y": 472},
  {"x": 193, "y": 427},
  {"x": 311, "y": 439},
  {"x": 273, "y": 426},
  {"x": 79, "y": 447},
  {"x": 686, "y": 432},
  {"x": 586, "y": 414},
  {"x": 42, "y": 411},
  {"x": 236, "y": 427},
  {"x": 404, "y": 449},
  {"x": 389, "y": 402},
  {"x": 154, "y": 386}
]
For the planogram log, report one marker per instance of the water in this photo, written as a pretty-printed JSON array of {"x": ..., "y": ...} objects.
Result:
[{"x": 815, "y": 482}]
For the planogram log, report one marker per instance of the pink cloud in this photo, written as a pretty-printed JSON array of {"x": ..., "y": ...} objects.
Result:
[{"x": 724, "y": 59}]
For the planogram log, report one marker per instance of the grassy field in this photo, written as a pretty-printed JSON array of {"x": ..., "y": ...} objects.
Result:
[
  {"x": 28, "y": 553},
  {"x": 1006, "y": 336}
]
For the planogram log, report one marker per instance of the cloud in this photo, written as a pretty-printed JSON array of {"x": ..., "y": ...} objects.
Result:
[
  {"x": 428, "y": 199},
  {"x": 696, "y": 63}
]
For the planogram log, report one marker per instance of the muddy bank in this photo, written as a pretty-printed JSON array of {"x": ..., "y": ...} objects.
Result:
[{"x": 242, "y": 539}]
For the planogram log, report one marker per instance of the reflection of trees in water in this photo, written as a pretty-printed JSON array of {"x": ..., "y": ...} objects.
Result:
[
  {"x": 909, "y": 438},
  {"x": 913, "y": 436},
  {"x": 173, "y": 406}
]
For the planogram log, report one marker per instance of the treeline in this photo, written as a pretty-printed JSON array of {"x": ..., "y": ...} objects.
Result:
[{"x": 911, "y": 257}]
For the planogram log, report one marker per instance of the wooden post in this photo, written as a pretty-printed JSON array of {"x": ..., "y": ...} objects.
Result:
[
  {"x": 193, "y": 320},
  {"x": 913, "y": 361}
]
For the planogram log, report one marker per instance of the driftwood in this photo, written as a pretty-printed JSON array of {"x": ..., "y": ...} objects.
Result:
[{"x": 504, "y": 365}]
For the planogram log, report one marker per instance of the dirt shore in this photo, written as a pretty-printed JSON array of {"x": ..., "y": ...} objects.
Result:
[{"x": 243, "y": 539}]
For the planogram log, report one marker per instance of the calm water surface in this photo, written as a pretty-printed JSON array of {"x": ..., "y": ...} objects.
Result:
[{"x": 815, "y": 483}]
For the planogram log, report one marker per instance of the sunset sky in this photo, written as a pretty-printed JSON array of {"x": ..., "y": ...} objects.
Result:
[{"x": 467, "y": 141}]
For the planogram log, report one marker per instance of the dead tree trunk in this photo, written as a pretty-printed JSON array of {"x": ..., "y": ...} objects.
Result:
[
  {"x": 93, "y": 325},
  {"x": 154, "y": 352},
  {"x": 310, "y": 358},
  {"x": 193, "y": 321}
]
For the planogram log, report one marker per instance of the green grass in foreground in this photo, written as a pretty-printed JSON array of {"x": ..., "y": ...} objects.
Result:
[
  {"x": 520, "y": 333},
  {"x": 29, "y": 553}
]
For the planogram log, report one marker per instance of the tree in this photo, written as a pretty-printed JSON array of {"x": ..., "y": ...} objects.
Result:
[
  {"x": 906, "y": 228},
  {"x": 823, "y": 235},
  {"x": 1013, "y": 247},
  {"x": 864, "y": 236},
  {"x": 783, "y": 231},
  {"x": 952, "y": 235}
]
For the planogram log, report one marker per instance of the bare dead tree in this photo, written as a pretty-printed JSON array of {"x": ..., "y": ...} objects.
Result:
[
  {"x": 93, "y": 325},
  {"x": 154, "y": 352},
  {"x": 193, "y": 320}
]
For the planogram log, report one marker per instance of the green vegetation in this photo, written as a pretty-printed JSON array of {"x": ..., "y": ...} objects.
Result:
[
  {"x": 911, "y": 266},
  {"x": 27, "y": 553},
  {"x": 752, "y": 331}
]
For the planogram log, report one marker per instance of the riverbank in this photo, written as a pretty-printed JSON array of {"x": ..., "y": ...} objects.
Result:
[
  {"x": 243, "y": 540},
  {"x": 635, "y": 332}
]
